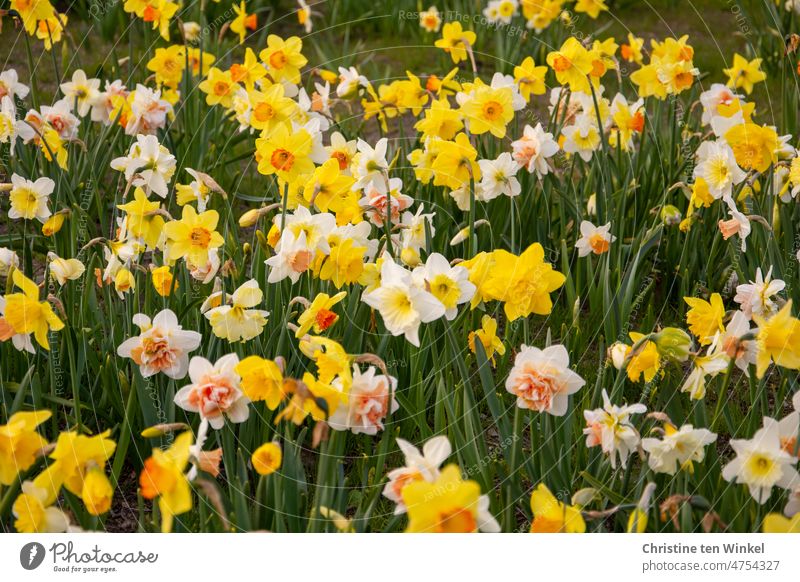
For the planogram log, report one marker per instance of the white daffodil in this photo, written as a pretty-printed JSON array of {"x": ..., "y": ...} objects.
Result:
[
  {"x": 498, "y": 177},
  {"x": 148, "y": 165},
  {"x": 402, "y": 304},
  {"x": 755, "y": 297},
  {"x": 63, "y": 270},
  {"x": 450, "y": 285},
  {"x": 761, "y": 463},
  {"x": 238, "y": 321},
  {"x": 594, "y": 239},
  {"x": 678, "y": 448},
  {"x": 534, "y": 148},
  {"x": 611, "y": 428}
]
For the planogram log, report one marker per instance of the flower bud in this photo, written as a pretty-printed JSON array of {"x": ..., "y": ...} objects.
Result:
[
  {"x": 670, "y": 215},
  {"x": 618, "y": 352},
  {"x": 53, "y": 224},
  {"x": 673, "y": 343},
  {"x": 250, "y": 218}
]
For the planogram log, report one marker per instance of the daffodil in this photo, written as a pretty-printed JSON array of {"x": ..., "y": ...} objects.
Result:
[
  {"x": 456, "y": 41},
  {"x": 25, "y": 314},
  {"x": 193, "y": 236},
  {"x": 530, "y": 78},
  {"x": 523, "y": 283},
  {"x": 553, "y": 516},
  {"x": 284, "y": 58},
  {"x": 238, "y": 321},
  {"x": 164, "y": 477},
  {"x": 744, "y": 74},
  {"x": 487, "y": 335},
  {"x": 219, "y": 87},
  {"x": 29, "y": 199},
  {"x": 267, "y": 458},
  {"x": 592, "y": 8},
  {"x": 705, "y": 317},
  {"x": 168, "y": 65},
  {"x": 34, "y": 513},
  {"x": 285, "y": 153},
  {"x": 572, "y": 64},
  {"x": 243, "y": 21},
  {"x": 448, "y": 505},
  {"x": 489, "y": 109},
  {"x": 143, "y": 218},
  {"x": 262, "y": 379},
  {"x": 20, "y": 443},
  {"x": 778, "y": 340},
  {"x": 31, "y": 11}
]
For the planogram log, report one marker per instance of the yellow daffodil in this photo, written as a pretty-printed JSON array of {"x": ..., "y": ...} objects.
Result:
[
  {"x": 776, "y": 523},
  {"x": 553, "y": 516},
  {"x": 319, "y": 315},
  {"x": 705, "y": 317},
  {"x": 455, "y": 41},
  {"x": 25, "y": 314},
  {"x": 592, "y": 8},
  {"x": 49, "y": 30},
  {"x": 447, "y": 505},
  {"x": 284, "y": 58},
  {"x": 440, "y": 121},
  {"x": 249, "y": 72},
  {"x": 455, "y": 163},
  {"x": 218, "y": 87},
  {"x": 34, "y": 513},
  {"x": 270, "y": 108},
  {"x": 754, "y": 147},
  {"x": 645, "y": 360},
  {"x": 168, "y": 64},
  {"x": 489, "y": 110},
  {"x": 267, "y": 458},
  {"x": 163, "y": 477},
  {"x": 143, "y": 221},
  {"x": 778, "y": 340},
  {"x": 20, "y": 444},
  {"x": 743, "y": 74},
  {"x": 572, "y": 64},
  {"x": 523, "y": 283},
  {"x": 243, "y": 21},
  {"x": 32, "y": 11},
  {"x": 163, "y": 280},
  {"x": 193, "y": 236},
  {"x": 261, "y": 380},
  {"x": 530, "y": 78},
  {"x": 285, "y": 153},
  {"x": 487, "y": 335}
]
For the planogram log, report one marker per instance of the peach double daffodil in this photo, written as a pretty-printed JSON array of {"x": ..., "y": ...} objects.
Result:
[
  {"x": 193, "y": 236},
  {"x": 25, "y": 314},
  {"x": 164, "y": 477}
]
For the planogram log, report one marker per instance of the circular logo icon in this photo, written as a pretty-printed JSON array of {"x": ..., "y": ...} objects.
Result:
[{"x": 31, "y": 555}]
